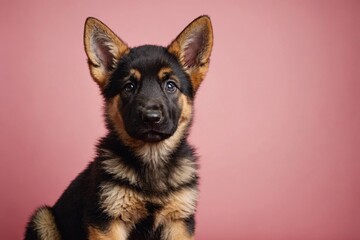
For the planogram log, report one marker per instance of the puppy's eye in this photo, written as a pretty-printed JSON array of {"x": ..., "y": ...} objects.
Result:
[
  {"x": 129, "y": 87},
  {"x": 170, "y": 86}
]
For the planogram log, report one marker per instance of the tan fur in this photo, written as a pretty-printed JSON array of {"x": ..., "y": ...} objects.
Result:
[
  {"x": 122, "y": 203},
  {"x": 185, "y": 172},
  {"x": 117, "y": 47},
  {"x": 186, "y": 110},
  {"x": 113, "y": 113},
  {"x": 117, "y": 169},
  {"x": 45, "y": 225},
  {"x": 128, "y": 208},
  {"x": 117, "y": 231},
  {"x": 178, "y": 206},
  {"x": 164, "y": 72},
  {"x": 134, "y": 73},
  {"x": 197, "y": 75},
  {"x": 178, "y": 46},
  {"x": 176, "y": 230}
]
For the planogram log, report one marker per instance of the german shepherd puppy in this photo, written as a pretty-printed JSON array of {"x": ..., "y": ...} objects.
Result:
[{"x": 143, "y": 182}]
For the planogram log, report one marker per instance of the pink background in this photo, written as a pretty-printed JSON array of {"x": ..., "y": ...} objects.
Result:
[{"x": 277, "y": 119}]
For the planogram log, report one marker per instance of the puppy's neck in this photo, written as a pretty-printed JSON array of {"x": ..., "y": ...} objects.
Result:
[{"x": 154, "y": 168}]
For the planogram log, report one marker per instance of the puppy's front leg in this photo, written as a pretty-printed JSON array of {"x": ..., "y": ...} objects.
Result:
[
  {"x": 177, "y": 230},
  {"x": 116, "y": 231}
]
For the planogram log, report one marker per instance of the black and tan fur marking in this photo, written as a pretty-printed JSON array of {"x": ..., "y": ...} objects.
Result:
[{"x": 143, "y": 182}]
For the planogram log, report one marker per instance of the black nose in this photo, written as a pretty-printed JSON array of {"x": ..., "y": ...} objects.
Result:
[{"x": 151, "y": 116}]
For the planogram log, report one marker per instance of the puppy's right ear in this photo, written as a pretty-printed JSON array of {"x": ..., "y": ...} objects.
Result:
[
  {"x": 103, "y": 49},
  {"x": 193, "y": 48}
]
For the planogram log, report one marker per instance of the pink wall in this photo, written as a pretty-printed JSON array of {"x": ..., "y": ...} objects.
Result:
[{"x": 277, "y": 120}]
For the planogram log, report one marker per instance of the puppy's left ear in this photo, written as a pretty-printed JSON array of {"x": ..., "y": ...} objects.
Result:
[
  {"x": 103, "y": 48},
  {"x": 193, "y": 48}
]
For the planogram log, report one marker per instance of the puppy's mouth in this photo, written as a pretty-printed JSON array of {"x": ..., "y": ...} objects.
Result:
[{"x": 153, "y": 136}]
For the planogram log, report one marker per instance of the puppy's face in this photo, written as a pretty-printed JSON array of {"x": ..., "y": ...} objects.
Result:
[
  {"x": 148, "y": 89},
  {"x": 150, "y": 83}
]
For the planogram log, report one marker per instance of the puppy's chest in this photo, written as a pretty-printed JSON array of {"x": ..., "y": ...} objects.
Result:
[{"x": 132, "y": 207}]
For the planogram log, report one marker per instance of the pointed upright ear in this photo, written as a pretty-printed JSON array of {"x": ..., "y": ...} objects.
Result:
[
  {"x": 193, "y": 48},
  {"x": 103, "y": 49}
]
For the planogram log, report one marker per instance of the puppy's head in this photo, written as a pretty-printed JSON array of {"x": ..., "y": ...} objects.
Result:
[{"x": 149, "y": 90}]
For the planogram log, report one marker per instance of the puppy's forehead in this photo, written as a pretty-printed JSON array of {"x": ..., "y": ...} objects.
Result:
[{"x": 151, "y": 60}]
